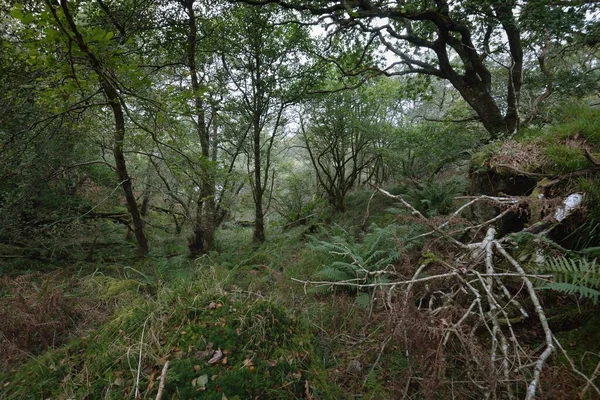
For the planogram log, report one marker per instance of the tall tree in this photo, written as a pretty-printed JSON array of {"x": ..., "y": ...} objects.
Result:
[
  {"x": 94, "y": 48},
  {"x": 461, "y": 42},
  {"x": 203, "y": 238},
  {"x": 264, "y": 62}
]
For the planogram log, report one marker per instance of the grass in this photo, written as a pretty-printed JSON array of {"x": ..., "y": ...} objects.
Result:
[
  {"x": 276, "y": 340},
  {"x": 555, "y": 149},
  {"x": 268, "y": 351},
  {"x": 170, "y": 306}
]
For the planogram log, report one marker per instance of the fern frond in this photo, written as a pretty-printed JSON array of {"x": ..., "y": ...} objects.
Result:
[
  {"x": 573, "y": 276},
  {"x": 569, "y": 288},
  {"x": 576, "y": 271},
  {"x": 333, "y": 274}
]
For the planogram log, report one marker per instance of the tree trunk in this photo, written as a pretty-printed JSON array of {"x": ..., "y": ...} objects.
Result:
[
  {"x": 209, "y": 212},
  {"x": 115, "y": 104},
  {"x": 337, "y": 202},
  {"x": 259, "y": 223},
  {"x": 145, "y": 208},
  {"x": 204, "y": 226},
  {"x": 196, "y": 243},
  {"x": 145, "y": 203},
  {"x": 121, "y": 168},
  {"x": 482, "y": 102},
  {"x": 259, "y": 218}
]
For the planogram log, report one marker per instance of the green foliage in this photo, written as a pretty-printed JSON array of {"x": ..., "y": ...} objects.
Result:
[
  {"x": 365, "y": 261},
  {"x": 296, "y": 201},
  {"x": 422, "y": 150},
  {"x": 574, "y": 276},
  {"x": 435, "y": 196},
  {"x": 479, "y": 161},
  {"x": 348, "y": 134}
]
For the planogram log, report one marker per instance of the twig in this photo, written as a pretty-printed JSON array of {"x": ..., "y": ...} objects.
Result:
[
  {"x": 355, "y": 281},
  {"x": 542, "y": 317},
  {"x": 589, "y": 381},
  {"x": 366, "y": 217},
  {"x": 163, "y": 378},
  {"x": 139, "y": 370},
  {"x": 416, "y": 212},
  {"x": 383, "y": 346}
]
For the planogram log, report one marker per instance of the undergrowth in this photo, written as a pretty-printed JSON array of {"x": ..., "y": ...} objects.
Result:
[{"x": 266, "y": 352}]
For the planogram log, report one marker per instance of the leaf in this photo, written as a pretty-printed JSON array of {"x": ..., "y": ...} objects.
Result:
[
  {"x": 364, "y": 300},
  {"x": 16, "y": 13},
  {"x": 27, "y": 19},
  {"x": 591, "y": 251},
  {"x": 202, "y": 380},
  {"x": 307, "y": 390}
]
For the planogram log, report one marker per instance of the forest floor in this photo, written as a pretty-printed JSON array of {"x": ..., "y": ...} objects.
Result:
[{"x": 85, "y": 319}]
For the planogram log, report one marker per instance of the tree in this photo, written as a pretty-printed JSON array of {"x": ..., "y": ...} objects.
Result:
[
  {"x": 203, "y": 238},
  {"x": 344, "y": 135},
  {"x": 461, "y": 42},
  {"x": 94, "y": 50},
  {"x": 263, "y": 60}
]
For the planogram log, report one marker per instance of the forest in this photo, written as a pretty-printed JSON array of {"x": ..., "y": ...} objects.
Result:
[{"x": 299, "y": 199}]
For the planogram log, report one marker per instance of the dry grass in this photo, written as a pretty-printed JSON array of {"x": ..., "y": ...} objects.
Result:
[
  {"x": 39, "y": 311},
  {"x": 524, "y": 156}
]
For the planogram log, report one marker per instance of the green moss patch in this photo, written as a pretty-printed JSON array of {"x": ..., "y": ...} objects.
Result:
[{"x": 219, "y": 345}]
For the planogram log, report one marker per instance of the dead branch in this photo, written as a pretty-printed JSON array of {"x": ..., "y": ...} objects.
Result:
[
  {"x": 416, "y": 212},
  {"x": 163, "y": 379},
  {"x": 475, "y": 274}
]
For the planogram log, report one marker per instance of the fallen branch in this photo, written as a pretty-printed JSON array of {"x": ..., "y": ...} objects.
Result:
[
  {"x": 542, "y": 317},
  {"x": 416, "y": 212},
  {"x": 139, "y": 370},
  {"x": 474, "y": 291}
]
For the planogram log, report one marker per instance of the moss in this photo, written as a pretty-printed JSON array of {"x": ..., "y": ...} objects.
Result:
[
  {"x": 583, "y": 346},
  {"x": 480, "y": 159},
  {"x": 268, "y": 353},
  {"x": 576, "y": 128}
]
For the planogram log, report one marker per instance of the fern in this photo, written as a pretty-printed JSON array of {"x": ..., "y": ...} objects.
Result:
[
  {"x": 574, "y": 276},
  {"x": 434, "y": 196},
  {"x": 357, "y": 260}
]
